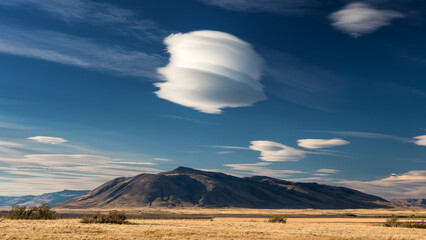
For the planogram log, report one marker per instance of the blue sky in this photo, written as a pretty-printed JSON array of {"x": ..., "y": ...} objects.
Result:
[{"x": 324, "y": 91}]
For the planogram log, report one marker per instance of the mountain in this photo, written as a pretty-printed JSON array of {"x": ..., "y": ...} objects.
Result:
[
  {"x": 415, "y": 202},
  {"x": 50, "y": 198},
  {"x": 186, "y": 187}
]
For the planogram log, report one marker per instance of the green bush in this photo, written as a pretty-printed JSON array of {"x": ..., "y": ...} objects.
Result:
[
  {"x": 43, "y": 212},
  {"x": 278, "y": 219},
  {"x": 113, "y": 217}
]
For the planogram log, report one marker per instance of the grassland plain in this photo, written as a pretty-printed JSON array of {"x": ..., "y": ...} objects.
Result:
[{"x": 315, "y": 224}]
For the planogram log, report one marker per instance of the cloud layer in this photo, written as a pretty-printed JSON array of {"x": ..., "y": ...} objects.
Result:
[
  {"x": 49, "y": 140},
  {"x": 210, "y": 70},
  {"x": 321, "y": 143},
  {"x": 360, "y": 18},
  {"x": 276, "y": 152}
]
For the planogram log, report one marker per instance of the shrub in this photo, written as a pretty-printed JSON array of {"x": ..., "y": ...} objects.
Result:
[
  {"x": 278, "y": 219},
  {"x": 413, "y": 224},
  {"x": 393, "y": 221},
  {"x": 43, "y": 212},
  {"x": 113, "y": 217}
]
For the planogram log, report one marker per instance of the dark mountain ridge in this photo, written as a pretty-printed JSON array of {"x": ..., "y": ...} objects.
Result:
[{"x": 186, "y": 187}]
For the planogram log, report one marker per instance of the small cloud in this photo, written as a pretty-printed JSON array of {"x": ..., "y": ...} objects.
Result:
[
  {"x": 326, "y": 170},
  {"x": 162, "y": 159},
  {"x": 276, "y": 152},
  {"x": 49, "y": 140},
  {"x": 360, "y": 18},
  {"x": 321, "y": 143},
  {"x": 210, "y": 70},
  {"x": 420, "y": 140}
]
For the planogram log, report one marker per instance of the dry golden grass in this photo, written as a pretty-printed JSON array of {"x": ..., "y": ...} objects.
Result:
[{"x": 315, "y": 227}]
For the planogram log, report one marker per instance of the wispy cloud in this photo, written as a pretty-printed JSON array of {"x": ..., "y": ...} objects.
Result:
[
  {"x": 49, "y": 140},
  {"x": 188, "y": 119},
  {"x": 419, "y": 140},
  {"x": 303, "y": 83},
  {"x": 359, "y": 18},
  {"x": 109, "y": 16},
  {"x": 76, "y": 51},
  {"x": 321, "y": 143},
  {"x": 162, "y": 159},
  {"x": 37, "y": 173},
  {"x": 261, "y": 169},
  {"x": 273, "y": 6},
  {"x": 371, "y": 135},
  {"x": 327, "y": 170},
  {"x": 231, "y": 147},
  {"x": 209, "y": 71},
  {"x": 29, "y": 167}
]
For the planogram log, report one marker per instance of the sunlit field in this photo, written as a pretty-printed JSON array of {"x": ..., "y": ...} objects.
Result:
[{"x": 223, "y": 224}]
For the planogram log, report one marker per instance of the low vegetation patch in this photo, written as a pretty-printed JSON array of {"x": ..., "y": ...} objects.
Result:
[
  {"x": 43, "y": 212},
  {"x": 393, "y": 221},
  {"x": 278, "y": 219},
  {"x": 113, "y": 217}
]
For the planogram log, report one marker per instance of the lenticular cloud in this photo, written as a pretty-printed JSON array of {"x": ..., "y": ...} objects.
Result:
[{"x": 210, "y": 70}]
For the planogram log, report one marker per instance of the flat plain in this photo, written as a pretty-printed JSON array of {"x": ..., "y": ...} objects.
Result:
[{"x": 196, "y": 223}]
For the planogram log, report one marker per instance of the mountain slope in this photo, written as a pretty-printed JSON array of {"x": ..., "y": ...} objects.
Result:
[
  {"x": 50, "y": 198},
  {"x": 190, "y": 187},
  {"x": 415, "y": 202}
]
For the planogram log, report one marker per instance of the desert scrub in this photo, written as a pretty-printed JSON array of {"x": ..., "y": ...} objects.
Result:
[
  {"x": 43, "y": 212},
  {"x": 393, "y": 221},
  {"x": 113, "y": 217},
  {"x": 278, "y": 219}
]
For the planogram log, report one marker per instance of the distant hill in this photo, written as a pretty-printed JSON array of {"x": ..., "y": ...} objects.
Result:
[
  {"x": 189, "y": 187},
  {"x": 416, "y": 202},
  {"x": 50, "y": 198}
]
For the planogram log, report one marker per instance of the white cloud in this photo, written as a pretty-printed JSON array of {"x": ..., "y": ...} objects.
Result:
[
  {"x": 327, "y": 170},
  {"x": 210, "y": 70},
  {"x": 321, "y": 143},
  {"x": 162, "y": 159},
  {"x": 276, "y": 152},
  {"x": 360, "y": 18},
  {"x": 76, "y": 51},
  {"x": 273, "y": 6},
  {"x": 420, "y": 140},
  {"x": 49, "y": 140}
]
